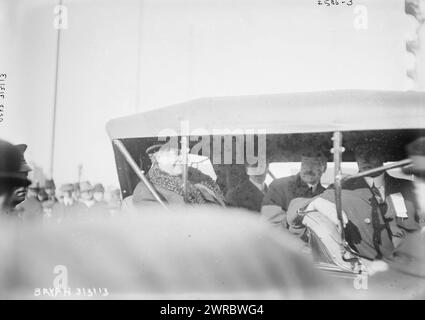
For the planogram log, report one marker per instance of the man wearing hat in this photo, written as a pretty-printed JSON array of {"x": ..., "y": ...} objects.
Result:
[
  {"x": 100, "y": 207},
  {"x": 406, "y": 266},
  {"x": 20, "y": 193},
  {"x": 50, "y": 189},
  {"x": 25, "y": 199},
  {"x": 76, "y": 193},
  {"x": 379, "y": 209},
  {"x": 11, "y": 176},
  {"x": 86, "y": 194},
  {"x": 409, "y": 257},
  {"x": 166, "y": 178},
  {"x": 304, "y": 184},
  {"x": 99, "y": 193}
]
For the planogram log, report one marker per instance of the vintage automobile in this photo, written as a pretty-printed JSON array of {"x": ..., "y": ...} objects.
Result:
[{"x": 277, "y": 127}]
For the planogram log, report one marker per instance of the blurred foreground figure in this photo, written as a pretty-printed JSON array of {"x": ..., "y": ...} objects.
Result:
[
  {"x": 49, "y": 196},
  {"x": 190, "y": 253},
  {"x": 11, "y": 177}
]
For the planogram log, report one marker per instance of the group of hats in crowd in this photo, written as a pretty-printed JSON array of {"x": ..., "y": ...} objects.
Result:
[
  {"x": 14, "y": 181},
  {"x": 49, "y": 188}
]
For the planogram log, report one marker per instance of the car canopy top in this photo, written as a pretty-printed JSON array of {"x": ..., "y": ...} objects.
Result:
[{"x": 345, "y": 110}]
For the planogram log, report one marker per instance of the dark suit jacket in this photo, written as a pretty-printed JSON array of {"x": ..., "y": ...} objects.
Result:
[
  {"x": 245, "y": 195},
  {"x": 373, "y": 229},
  {"x": 283, "y": 190}
]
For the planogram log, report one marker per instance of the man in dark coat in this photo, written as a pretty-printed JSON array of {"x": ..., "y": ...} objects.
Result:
[
  {"x": 379, "y": 209},
  {"x": 249, "y": 193},
  {"x": 392, "y": 211},
  {"x": 26, "y": 204},
  {"x": 10, "y": 176},
  {"x": 406, "y": 266},
  {"x": 20, "y": 193},
  {"x": 409, "y": 257},
  {"x": 305, "y": 184}
]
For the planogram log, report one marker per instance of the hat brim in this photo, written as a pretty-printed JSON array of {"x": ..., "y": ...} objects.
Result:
[
  {"x": 14, "y": 179},
  {"x": 413, "y": 170},
  {"x": 25, "y": 168}
]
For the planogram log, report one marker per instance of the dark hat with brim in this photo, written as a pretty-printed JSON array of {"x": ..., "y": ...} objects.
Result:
[
  {"x": 14, "y": 179},
  {"x": 10, "y": 173}
]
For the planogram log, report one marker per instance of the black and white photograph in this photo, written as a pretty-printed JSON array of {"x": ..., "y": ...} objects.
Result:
[{"x": 212, "y": 155}]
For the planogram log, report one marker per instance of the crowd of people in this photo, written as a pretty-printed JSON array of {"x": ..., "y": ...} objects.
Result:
[{"x": 70, "y": 200}]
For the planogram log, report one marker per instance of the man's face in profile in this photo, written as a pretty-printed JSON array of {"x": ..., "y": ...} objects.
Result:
[{"x": 311, "y": 170}]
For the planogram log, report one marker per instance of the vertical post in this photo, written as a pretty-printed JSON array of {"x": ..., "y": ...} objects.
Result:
[
  {"x": 337, "y": 152},
  {"x": 55, "y": 100},
  {"x": 80, "y": 172},
  {"x": 185, "y": 154}
]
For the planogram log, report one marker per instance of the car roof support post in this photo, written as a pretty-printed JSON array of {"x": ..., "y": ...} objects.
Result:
[
  {"x": 140, "y": 173},
  {"x": 347, "y": 253},
  {"x": 185, "y": 154}
]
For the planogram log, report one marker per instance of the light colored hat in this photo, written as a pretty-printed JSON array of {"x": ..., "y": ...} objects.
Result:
[
  {"x": 85, "y": 186},
  {"x": 67, "y": 187}
]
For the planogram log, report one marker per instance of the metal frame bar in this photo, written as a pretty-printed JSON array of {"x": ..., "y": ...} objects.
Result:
[
  {"x": 139, "y": 172},
  {"x": 185, "y": 154},
  {"x": 337, "y": 152},
  {"x": 397, "y": 164}
]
